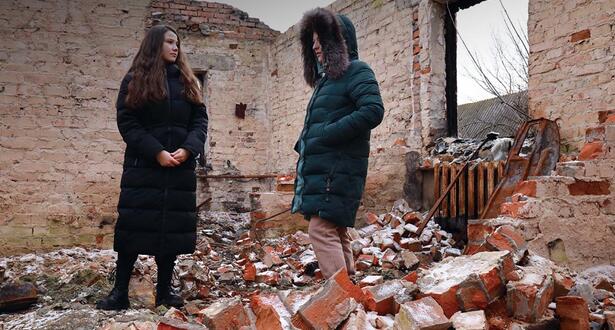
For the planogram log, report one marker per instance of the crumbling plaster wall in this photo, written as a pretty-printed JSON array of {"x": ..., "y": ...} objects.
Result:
[
  {"x": 60, "y": 70},
  {"x": 572, "y": 63},
  {"x": 60, "y": 153},
  {"x": 232, "y": 49}
]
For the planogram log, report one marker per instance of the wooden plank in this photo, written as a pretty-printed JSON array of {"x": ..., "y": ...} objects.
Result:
[
  {"x": 462, "y": 194},
  {"x": 501, "y": 166},
  {"x": 500, "y": 170},
  {"x": 453, "y": 193},
  {"x": 437, "y": 171},
  {"x": 490, "y": 178},
  {"x": 444, "y": 183},
  {"x": 481, "y": 187},
  {"x": 472, "y": 214}
]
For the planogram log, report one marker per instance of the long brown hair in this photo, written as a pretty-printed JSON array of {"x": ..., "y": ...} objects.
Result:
[{"x": 148, "y": 71}]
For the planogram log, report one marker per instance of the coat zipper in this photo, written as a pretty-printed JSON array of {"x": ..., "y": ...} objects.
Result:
[
  {"x": 166, "y": 171},
  {"x": 307, "y": 117}
]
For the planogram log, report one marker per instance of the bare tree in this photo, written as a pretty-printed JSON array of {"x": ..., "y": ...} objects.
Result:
[{"x": 507, "y": 79}]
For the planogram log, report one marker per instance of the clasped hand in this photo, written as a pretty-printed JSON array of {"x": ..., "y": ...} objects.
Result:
[{"x": 167, "y": 159}]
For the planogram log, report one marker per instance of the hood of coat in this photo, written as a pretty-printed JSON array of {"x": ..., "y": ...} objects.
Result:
[{"x": 338, "y": 41}]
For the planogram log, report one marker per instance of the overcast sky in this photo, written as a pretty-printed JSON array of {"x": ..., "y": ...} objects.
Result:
[
  {"x": 278, "y": 14},
  {"x": 475, "y": 25}
]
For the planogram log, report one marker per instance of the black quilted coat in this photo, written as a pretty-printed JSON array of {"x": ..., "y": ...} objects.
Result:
[{"x": 157, "y": 205}]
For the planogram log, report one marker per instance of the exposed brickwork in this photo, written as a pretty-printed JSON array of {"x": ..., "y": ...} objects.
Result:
[
  {"x": 60, "y": 72},
  {"x": 571, "y": 63}
]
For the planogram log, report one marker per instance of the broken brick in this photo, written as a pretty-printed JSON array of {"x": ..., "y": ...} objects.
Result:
[
  {"x": 526, "y": 188},
  {"x": 409, "y": 260},
  {"x": 16, "y": 296},
  {"x": 483, "y": 273},
  {"x": 357, "y": 320},
  {"x": 475, "y": 320},
  {"x": 412, "y": 217},
  {"x": 572, "y": 312},
  {"x": 411, "y": 244},
  {"x": 331, "y": 305},
  {"x": 591, "y": 150},
  {"x": 381, "y": 298},
  {"x": 371, "y": 281},
  {"x": 411, "y": 277},
  {"x": 423, "y": 314},
  {"x": 269, "y": 277},
  {"x": 527, "y": 299},
  {"x": 270, "y": 312},
  {"x": 225, "y": 314},
  {"x": 562, "y": 285},
  {"x": 174, "y": 313},
  {"x": 371, "y": 218},
  {"x": 506, "y": 238}
]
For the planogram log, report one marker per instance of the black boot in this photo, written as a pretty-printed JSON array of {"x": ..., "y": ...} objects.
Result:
[
  {"x": 164, "y": 294},
  {"x": 118, "y": 298}
]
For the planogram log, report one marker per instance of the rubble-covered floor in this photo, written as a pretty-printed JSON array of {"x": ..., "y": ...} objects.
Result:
[{"x": 233, "y": 280}]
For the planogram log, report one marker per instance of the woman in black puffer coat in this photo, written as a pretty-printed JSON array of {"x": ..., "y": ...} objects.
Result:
[{"x": 162, "y": 119}]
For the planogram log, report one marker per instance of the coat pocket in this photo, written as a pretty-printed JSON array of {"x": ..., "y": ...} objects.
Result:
[{"x": 330, "y": 176}]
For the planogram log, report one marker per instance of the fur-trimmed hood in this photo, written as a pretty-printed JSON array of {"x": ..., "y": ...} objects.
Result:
[{"x": 338, "y": 41}]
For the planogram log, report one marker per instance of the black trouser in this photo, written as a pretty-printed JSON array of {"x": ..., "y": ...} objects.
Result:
[{"x": 126, "y": 261}]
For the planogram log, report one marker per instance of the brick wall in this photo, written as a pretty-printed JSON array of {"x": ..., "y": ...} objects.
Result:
[
  {"x": 232, "y": 49},
  {"x": 60, "y": 69},
  {"x": 572, "y": 64}
]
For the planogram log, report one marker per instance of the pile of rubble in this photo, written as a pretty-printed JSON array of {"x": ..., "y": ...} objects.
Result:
[
  {"x": 458, "y": 150},
  {"x": 404, "y": 281}
]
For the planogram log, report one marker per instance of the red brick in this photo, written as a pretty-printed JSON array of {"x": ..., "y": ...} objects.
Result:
[
  {"x": 472, "y": 296},
  {"x": 572, "y": 312},
  {"x": 330, "y": 306},
  {"x": 357, "y": 320},
  {"x": 591, "y": 151},
  {"x": 506, "y": 238},
  {"x": 456, "y": 283},
  {"x": 268, "y": 277},
  {"x": 562, "y": 285},
  {"x": 527, "y": 188},
  {"x": 371, "y": 218},
  {"x": 581, "y": 35},
  {"x": 511, "y": 209},
  {"x": 411, "y": 277},
  {"x": 593, "y": 134},
  {"x": 478, "y": 231},
  {"x": 580, "y": 187},
  {"x": 528, "y": 299},
  {"x": 249, "y": 272},
  {"x": 225, "y": 314},
  {"x": 603, "y": 116},
  {"x": 381, "y": 298},
  {"x": 269, "y": 311}
]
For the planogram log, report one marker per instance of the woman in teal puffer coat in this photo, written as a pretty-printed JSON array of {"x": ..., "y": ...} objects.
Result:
[{"x": 334, "y": 144}]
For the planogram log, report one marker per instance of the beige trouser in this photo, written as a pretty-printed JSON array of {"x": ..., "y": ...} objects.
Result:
[{"x": 331, "y": 244}]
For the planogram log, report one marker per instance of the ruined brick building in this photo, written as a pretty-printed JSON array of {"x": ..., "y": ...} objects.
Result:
[{"x": 61, "y": 154}]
